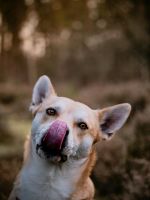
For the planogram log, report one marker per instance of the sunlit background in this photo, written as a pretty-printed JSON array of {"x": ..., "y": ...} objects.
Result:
[{"x": 95, "y": 51}]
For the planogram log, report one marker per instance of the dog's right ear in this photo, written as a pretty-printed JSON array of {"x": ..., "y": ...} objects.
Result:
[{"x": 42, "y": 90}]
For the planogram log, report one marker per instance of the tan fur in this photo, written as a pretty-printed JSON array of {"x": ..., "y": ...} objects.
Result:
[{"x": 85, "y": 188}]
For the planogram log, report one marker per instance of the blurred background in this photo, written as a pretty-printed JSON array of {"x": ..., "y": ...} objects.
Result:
[{"x": 95, "y": 51}]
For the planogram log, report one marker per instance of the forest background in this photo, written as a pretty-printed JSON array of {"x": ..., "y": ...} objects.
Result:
[{"x": 95, "y": 51}]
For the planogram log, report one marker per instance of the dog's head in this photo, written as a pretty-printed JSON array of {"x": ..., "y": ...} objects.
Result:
[{"x": 64, "y": 129}]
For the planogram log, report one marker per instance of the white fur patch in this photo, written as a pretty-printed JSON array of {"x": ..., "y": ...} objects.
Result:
[
  {"x": 42, "y": 180},
  {"x": 85, "y": 147}
]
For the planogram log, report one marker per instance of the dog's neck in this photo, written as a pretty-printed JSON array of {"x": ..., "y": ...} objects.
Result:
[
  {"x": 55, "y": 170},
  {"x": 55, "y": 181}
]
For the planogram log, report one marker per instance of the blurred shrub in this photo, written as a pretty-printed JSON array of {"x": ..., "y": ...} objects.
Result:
[
  {"x": 9, "y": 167},
  {"x": 122, "y": 170}
]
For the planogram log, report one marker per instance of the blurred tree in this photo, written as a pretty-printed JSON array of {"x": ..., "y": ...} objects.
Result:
[
  {"x": 13, "y": 16},
  {"x": 88, "y": 25},
  {"x": 59, "y": 14},
  {"x": 132, "y": 17}
]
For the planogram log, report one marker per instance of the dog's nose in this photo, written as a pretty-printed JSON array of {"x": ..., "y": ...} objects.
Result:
[{"x": 55, "y": 138}]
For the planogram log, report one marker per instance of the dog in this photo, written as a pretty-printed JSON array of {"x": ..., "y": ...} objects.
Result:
[{"x": 60, "y": 152}]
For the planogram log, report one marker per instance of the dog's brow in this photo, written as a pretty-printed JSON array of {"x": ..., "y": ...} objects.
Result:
[
  {"x": 58, "y": 108},
  {"x": 80, "y": 114},
  {"x": 78, "y": 120}
]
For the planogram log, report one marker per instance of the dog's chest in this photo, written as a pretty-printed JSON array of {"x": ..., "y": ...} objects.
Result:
[{"x": 53, "y": 185}]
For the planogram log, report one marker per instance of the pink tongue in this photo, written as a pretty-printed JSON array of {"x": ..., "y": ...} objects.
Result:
[{"x": 55, "y": 136}]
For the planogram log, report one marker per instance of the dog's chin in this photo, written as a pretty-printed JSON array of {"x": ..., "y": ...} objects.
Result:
[{"x": 51, "y": 156}]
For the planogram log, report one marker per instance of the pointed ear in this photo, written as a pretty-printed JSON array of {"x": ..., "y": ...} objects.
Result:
[
  {"x": 42, "y": 90},
  {"x": 113, "y": 118}
]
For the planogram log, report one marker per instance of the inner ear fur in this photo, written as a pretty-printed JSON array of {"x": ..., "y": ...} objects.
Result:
[
  {"x": 113, "y": 118},
  {"x": 42, "y": 90}
]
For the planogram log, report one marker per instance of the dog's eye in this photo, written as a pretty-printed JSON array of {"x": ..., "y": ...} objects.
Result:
[
  {"x": 51, "y": 111},
  {"x": 82, "y": 125}
]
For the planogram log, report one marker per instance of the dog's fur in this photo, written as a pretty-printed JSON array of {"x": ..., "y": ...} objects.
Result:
[{"x": 43, "y": 178}]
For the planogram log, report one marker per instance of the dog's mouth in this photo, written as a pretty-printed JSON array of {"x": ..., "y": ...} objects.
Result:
[{"x": 54, "y": 141}]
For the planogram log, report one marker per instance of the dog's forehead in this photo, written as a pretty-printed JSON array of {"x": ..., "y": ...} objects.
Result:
[
  {"x": 61, "y": 102},
  {"x": 71, "y": 106}
]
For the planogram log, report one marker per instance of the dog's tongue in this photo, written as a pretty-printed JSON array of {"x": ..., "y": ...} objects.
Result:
[{"x": 53, "y": 139}]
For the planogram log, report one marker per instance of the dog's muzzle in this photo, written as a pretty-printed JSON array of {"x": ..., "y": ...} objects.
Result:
[{"x": 54, "y": 140}]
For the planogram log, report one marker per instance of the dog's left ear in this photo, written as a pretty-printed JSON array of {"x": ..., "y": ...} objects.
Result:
[
  {"x": 113, "y": 118},
  {"x": 42, "y": 90}
]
